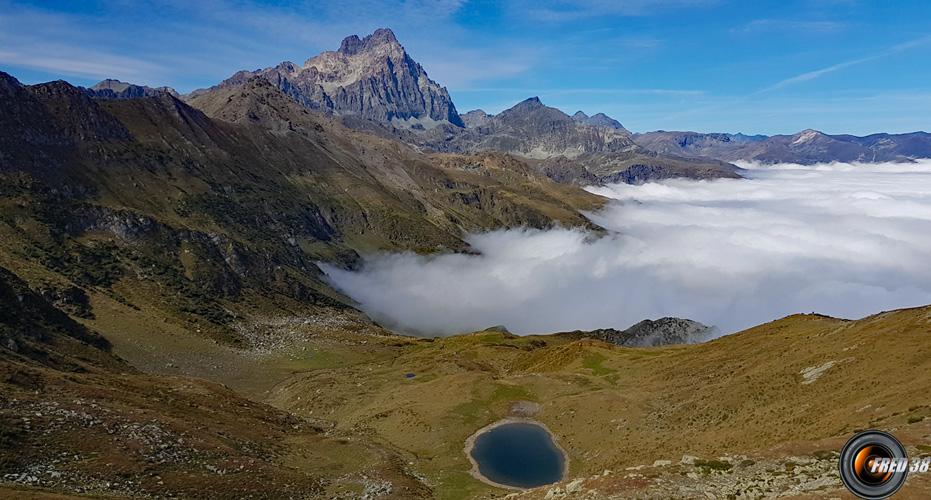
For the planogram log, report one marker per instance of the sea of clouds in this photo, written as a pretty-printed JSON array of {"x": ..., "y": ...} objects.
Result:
[{"x": 840, "y": 239}]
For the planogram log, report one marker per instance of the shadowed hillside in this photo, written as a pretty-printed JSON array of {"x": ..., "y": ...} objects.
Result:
[
  {"x": 77, "y": 419},
  {"x": 210, "y": 218},
  {"x": 746, "y": 408}
]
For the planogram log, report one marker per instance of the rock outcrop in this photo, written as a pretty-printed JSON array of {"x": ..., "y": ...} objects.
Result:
[
  {"x": 115, "y": 89},
  {"x": 598, "y": 120},
  {"x": 652, "y": 333}
]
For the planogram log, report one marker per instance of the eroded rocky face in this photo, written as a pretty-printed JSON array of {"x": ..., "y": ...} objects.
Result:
[{"x": 372, "y": 77}]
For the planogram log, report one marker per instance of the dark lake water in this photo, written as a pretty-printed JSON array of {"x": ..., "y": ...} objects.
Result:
[{"x": 518, "y": 454}]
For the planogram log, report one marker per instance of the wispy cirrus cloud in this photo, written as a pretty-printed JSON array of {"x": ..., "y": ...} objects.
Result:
[
  {"x": 790, "y": 25},
  {"x": 563, "y": 10},
  {"x": 818, "y": 73},
  {"x": 191, "y": 44},
  {"x": 74, "y": 51},
  {"x": 75, "y": 61}
]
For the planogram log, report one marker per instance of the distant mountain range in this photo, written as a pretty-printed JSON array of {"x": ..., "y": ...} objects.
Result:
[
  {"x": 372, "y": 84},
  {"x": 576, "y": 149},
  {"x": 806, "y": 147},
  {"x": 115, "y": 89}
]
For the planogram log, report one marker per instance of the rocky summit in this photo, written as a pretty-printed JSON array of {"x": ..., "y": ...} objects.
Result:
[
  {"x": 599, "y": 120},
  {"x": 371, "y": 77},
  {"x": 652, "y": 333}
]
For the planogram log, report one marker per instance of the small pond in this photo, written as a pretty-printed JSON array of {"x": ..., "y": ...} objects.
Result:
[{"x": 518, "y": 454}]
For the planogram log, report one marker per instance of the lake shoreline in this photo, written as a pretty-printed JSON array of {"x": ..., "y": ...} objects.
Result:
[{"x": 476, "y": 472}]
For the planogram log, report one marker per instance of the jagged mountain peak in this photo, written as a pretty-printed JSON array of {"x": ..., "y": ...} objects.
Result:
[
  {"x": 371, "y": 77},
  {"x": 535, "y": 130},
  {"x": 531, "y": 101},
  {"x": 653, "y": 333},
  {"x": 112, "y": 88},
  {"x": 532, "y": 105},
  {"x": 8, "y": 81},
  {"x": 380, "y": 44},
  {"x": 112, "y": 84},
  {"x": 73, "y": 113},
  {"x": 352, "y": 44},
  {"x": 807, "y": 135},
  {"x": 535, "y": 105},
  {"x": 476, "y": 118},
  {"x": 598, "y": 120}
]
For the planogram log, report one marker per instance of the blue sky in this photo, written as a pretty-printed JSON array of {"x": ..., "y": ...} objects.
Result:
[{"x": 842, "y": 66}]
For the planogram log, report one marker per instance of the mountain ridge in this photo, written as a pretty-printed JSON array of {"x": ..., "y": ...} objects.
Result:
[
  {"x": 372, "y": 84},
  {"x": 806, "y": 147},
  {"x": 651, "y": 333},
  {"x": 115, "y": 89},
  {"x": 373, "y": 77},
  {"x": 568, "y": 149}
]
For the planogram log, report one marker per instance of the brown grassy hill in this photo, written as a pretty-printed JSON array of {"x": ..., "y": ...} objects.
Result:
[
  {"x": 796, "y": 387},
  {"x": 77, "y": 419},
  {"x": 203, "y": 219},
  {"x": 762, "y": 411}
]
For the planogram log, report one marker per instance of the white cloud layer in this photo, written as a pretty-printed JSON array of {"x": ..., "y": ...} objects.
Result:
[{"x": 844, "y": 240}]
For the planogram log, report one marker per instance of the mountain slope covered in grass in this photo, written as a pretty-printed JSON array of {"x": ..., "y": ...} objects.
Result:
[{"x": 213, "y": 217}]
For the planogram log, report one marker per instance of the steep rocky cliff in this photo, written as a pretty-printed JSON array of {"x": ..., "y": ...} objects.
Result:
[{"x": 372, "y": 77}]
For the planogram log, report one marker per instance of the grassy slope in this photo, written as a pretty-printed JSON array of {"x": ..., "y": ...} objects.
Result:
[
  {"x": 197, "y": 223},
  {"x": 77, "y": 419},
  {"x": 614, "y": 407},
  {"x": 609, "y": 407}
]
